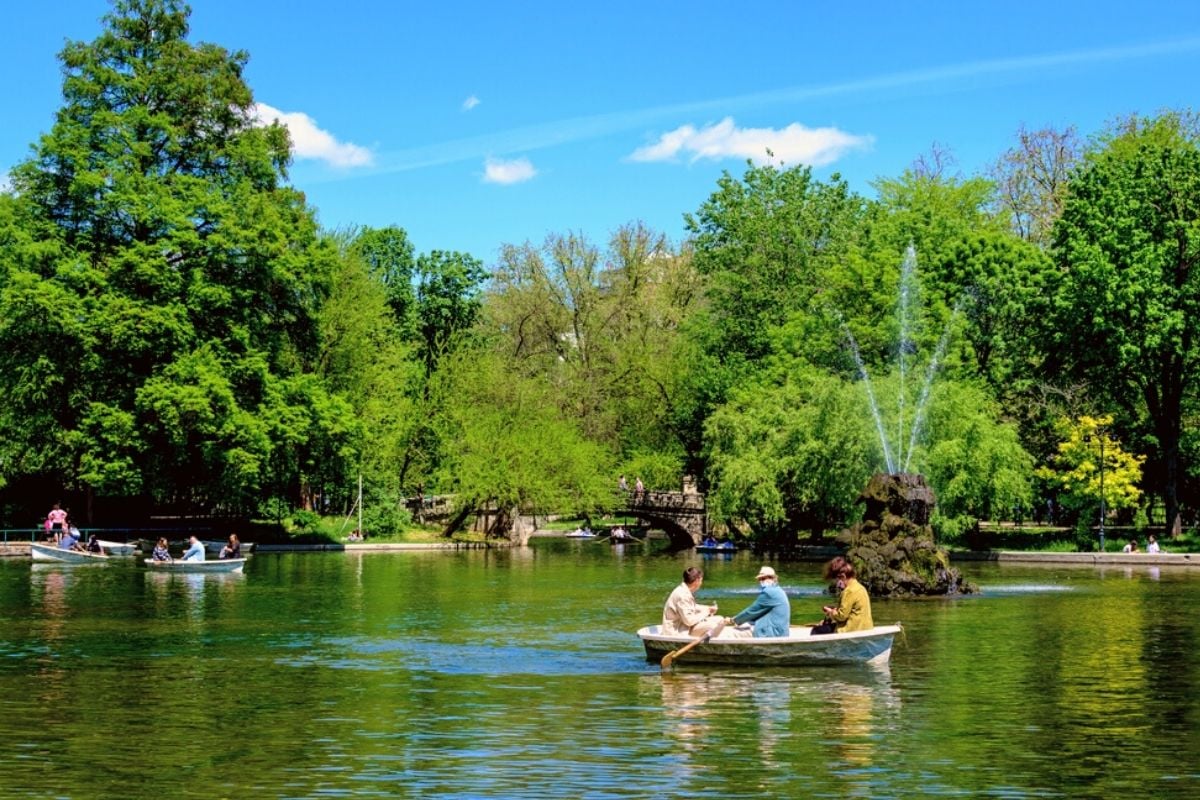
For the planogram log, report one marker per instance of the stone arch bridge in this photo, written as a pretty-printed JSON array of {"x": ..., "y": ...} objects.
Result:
[{"x": 682, "y": 515}]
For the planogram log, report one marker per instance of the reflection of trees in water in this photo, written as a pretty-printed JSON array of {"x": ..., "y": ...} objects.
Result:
[
  {"x": 176, "y": 592},
  {"x": 784, "y": 712},
  {"x": 49, "y": 585}
]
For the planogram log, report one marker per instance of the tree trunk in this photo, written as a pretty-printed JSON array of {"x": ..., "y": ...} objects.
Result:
[
  {"x": 1168, "y": 423},
  {"x": 457, "y": 520}
]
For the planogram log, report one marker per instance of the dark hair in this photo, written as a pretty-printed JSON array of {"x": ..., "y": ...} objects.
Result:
[
  {"x": 838, "y": 567},
  {"x": 692, "y": 574}
]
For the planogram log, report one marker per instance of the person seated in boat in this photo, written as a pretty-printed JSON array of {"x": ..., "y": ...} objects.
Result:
[
  {"x": 710, "y": 541},
  {"x": 233, "y": 549},
  {"x": 93, "y": 544},
  {"x": 770, "y": 613},
  {"x": 853, "y": 611},
  {"x": 69, "y": 540},
  {"x": 195, "y": 551},
  {"x": 682, "y": 615},
  {"x": 726, "y": 544},
  {"x": 161, "y": 553}
]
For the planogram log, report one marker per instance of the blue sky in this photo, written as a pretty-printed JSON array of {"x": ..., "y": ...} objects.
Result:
[{"x": 472, "y": 125}]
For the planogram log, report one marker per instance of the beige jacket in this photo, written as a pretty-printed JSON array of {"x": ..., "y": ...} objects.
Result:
[{"x": 682, "y": 612}]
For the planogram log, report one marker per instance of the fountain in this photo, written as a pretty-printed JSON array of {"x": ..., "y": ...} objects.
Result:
[{"x": 893, "y": 548}]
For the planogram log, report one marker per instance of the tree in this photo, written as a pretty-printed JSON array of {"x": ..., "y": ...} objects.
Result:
[
  {"x": 601, "y": 326},
  {"x": 1091, "y": 468},
  {"x": 166, "y": 280},
  {"x": 1128, "y": 249},
  {"x": 1032, "y": 179},
  {"x": 514, "y": 450}
]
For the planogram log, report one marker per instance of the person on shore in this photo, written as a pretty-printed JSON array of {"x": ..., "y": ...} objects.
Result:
[
  {"x": 1152, "y": 545},
  {"x": 1130, "y": 547},
  {"x": 161, "y": 552},
  {"x": 195, "y": 551},
  {"x": 682, "y": 615},
  {"x": 770, "y": 612},
  {"x": 233, "y": 549},
  {"x": 853, "y": 611}
]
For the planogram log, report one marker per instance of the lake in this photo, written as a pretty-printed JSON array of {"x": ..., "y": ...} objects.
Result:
[{"x": 517, "y": 673}]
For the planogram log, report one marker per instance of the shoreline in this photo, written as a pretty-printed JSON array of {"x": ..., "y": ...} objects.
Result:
[{"x": 21, "y": 550}]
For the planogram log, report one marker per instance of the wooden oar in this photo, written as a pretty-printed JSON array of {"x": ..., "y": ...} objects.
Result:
[{"x": 670, "y": 657}]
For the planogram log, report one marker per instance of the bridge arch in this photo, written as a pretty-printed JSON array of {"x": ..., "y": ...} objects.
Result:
[{"x": 682, "y": 515}]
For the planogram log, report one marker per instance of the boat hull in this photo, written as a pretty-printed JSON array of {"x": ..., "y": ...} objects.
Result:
[
  {"x": 118, "y": 548},
  {"x": 705, "y": 548},
  {"x": 873, "y": 646},
  {"x": 178, "y": 565},
  {"x": 52, "y": 553}
]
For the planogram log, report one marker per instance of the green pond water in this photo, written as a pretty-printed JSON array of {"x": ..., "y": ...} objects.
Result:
[{"x": 517, "y": 673}]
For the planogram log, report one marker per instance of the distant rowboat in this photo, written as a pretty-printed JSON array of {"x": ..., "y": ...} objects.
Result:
[
  {"x": 51, "y": 552},
  {"x": 179, "y": 565},
  {"x": 872, "y": 646},
  {"x": 118, "y": 548}
]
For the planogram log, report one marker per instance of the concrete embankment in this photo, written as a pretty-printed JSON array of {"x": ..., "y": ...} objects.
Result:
[{"x": 1081, "y": 559}]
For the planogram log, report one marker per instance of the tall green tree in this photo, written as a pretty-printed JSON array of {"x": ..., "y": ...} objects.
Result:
[
  {"x": 174, "y": 281},
  {"x": 1128, "y": 249}
]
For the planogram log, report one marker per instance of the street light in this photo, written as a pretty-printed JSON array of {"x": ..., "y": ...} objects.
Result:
[
  {"x": 1100, "y": 434},
  {"x": 1101, "y": 431}
]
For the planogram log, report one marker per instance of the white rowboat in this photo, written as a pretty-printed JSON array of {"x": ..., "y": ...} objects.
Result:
[
  {"x": 179, "y": 565},
  {"x": 118, "y": 548},
  {"x": 872, "y": 646},
  {"x": 52, "y": 552}
]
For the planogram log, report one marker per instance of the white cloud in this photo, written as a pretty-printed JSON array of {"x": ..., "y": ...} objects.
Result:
[
  {"x": 310, "y": 141},
  {"x": 794, "y": 144},
  {"x": 470, "y": 103},
  {"x": 497, "y": 170}
]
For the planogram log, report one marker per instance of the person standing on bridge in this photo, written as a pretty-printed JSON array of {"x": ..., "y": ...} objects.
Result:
[
  {"x": 623, "y": 485},
  {"x": 639, "y": 490}
]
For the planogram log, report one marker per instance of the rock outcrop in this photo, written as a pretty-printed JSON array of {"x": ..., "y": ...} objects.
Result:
[{"x": 893, "y": 548}]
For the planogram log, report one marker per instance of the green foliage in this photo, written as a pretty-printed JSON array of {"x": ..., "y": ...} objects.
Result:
[
  {"x": 1087, "y": 455},
  {"x": 385, "y": 514},
  {"x": 973, "y": 460},
  {"x": 513, "y": 449},
  {"x": 1128, "y": 294},
  {"x": 791, "y": 454},
  {"x": 658, "y": 470},
  {"x": 163, "y": 284}
]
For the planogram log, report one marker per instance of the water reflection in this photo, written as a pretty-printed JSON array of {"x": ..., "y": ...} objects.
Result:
[
  {"x": 847, "y": 709},
  {"x": 169, "y": 590}
]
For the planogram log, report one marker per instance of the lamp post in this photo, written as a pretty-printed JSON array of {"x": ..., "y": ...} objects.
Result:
[
  {"x": 1101, "y": 490},
  {"x": 1088, "y": 438}
]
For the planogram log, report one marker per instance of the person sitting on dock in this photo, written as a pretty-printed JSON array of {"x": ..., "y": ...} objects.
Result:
[
  {"x": 1152, "y": 545},
  {"x": 682, "y": 615},
  {"x": 195, "y": 551},
  {"x": 1131, "y": 547},
  {"x": 233, "y": 549},
  {"x": 853, "y": 611},
  {"x": 161, "y": 553},
  {"x": 770, "y": 612}
]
